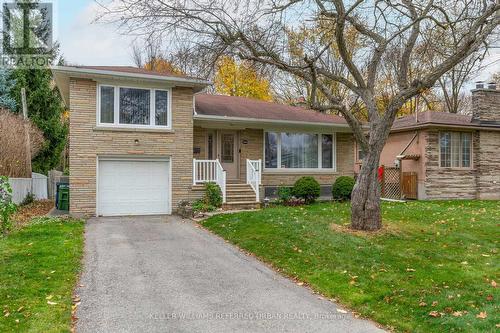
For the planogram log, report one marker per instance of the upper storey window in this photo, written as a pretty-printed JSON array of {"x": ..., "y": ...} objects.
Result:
[{"x": 134, "y": 107}]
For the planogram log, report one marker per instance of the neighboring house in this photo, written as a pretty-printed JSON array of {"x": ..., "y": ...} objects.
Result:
[
  {"x": 141, "y": 142},
  {"x": 453, "y": 156}
]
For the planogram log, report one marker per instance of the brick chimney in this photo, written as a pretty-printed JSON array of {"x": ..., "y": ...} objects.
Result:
[{"x": 486, "y": 103}]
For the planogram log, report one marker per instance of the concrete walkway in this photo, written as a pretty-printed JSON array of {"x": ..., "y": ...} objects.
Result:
[{"x": 162, "y": 274}]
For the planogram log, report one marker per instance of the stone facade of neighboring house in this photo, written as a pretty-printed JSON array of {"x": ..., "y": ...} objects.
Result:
[{"x": 454, "y": 156}]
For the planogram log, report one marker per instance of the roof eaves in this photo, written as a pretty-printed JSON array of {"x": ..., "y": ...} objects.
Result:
[
  {"x": 266, "y": 121},
  {"x": 433, "y": 124},
  {"x": 88, "y": 71}
]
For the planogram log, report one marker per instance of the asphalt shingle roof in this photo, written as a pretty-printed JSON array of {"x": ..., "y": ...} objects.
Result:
[{"x": 241, "y": 107}]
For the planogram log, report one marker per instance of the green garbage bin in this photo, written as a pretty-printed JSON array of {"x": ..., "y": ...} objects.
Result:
[{"x": 63, "y": 198}]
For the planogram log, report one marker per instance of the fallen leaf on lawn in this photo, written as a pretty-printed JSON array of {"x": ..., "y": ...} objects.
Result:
[
  {"x": 448, "y": 310},
  {"x": 49, "y": 297},
  {"x": 489, "y": 297},
  {"x": 341, "y": 311},
  {"x": 434, "y": 303},
  {"x": 7, "y": 314},
  {"x": 20, "y": 308},
  {"x": 458, "y": 314},
  {"x": 17, "y": 321},
  {"x": 51, "y": 303},
  {"x": 482, "y": 315},
  {"x": 493, "y": 284},
  {"x": 434, "y": 314},
  {"x": 422, "y": 304},
  {"x": 52, "y": 272},
  {"x": 410, "y": 270}
]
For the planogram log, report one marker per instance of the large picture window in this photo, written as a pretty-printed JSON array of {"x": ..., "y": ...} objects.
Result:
[
  {"x": 455, "y": 149},
  {"x": 299, "y": 150},
  {"x": 133, "y": 107}
]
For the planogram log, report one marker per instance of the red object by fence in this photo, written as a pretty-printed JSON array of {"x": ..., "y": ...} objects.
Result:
[{"x": 380, "y": 173}]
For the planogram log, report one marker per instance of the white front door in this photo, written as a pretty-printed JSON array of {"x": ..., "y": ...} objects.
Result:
[
  {"x": 133, "y": 187},
  {"x": 229, "y": 156}
]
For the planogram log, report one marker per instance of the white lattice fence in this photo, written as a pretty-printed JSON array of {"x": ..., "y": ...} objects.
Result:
[{"x": 391, "y": 183}]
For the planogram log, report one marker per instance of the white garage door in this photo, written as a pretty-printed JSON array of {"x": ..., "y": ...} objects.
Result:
[{"x": 128, "y": 187}]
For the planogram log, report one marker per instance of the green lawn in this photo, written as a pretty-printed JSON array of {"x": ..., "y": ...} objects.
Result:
[
  {"x": 432, "y": 269},
  {"x": 39, "y": 265}
]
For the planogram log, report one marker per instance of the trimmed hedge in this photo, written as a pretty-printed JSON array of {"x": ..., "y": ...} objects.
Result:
[
  {"x": 306, "y": 188},
  {"x": 342, "y": 188}
]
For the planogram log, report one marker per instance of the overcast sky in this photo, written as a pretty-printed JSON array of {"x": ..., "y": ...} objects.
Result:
[{"x": 86, "y": 43}]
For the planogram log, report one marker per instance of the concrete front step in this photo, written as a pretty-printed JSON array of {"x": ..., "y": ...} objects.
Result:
[
  {"x": 240, "y": 192},
  {"x": 236, "y": 205},
  {"x": 241, "y": 197}
]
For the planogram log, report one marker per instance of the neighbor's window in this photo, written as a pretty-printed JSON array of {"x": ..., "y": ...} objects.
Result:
[
  {"x": 133, "y": 106},
  {"x": 299, "y": 151},
  {"x": 360, "y": 152},
  {"x": 455, "y": 149}
]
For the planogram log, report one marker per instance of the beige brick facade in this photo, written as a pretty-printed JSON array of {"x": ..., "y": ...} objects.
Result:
[
  {"x": 251, "y": 146},
  {"x": 88, "y": 142}
]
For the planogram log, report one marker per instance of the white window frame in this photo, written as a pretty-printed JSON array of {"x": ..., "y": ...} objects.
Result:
[
  {"x": 471, "y": 157},
  {"x": 152, "y": 109},
  {"x": 320, "y": 152}
]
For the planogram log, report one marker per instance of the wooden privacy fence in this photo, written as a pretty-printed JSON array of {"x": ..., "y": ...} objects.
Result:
[
  {"x": 21, "y": 187},
  {"x": 55, "y": 177},
  {"x": 409, "y": 185},
  {"x": 398, "y": 185}
]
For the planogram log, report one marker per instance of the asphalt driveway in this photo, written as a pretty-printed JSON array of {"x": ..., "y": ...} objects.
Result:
[{"x": 162, "y": 274}]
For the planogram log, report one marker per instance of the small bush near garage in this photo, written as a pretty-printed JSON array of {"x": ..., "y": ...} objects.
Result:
[
  {"x": 307, "y": 189},
  {"x": 342, "y": 188},
  {"x": 210, "y": 201},
  {"x": 213, "y": 195}
]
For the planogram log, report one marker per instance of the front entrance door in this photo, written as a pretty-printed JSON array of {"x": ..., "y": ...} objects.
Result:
[{"x": 229, "y": 153}]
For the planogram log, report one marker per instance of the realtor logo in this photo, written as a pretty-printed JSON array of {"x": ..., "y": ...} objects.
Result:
[{"x": 27, "y": 33}]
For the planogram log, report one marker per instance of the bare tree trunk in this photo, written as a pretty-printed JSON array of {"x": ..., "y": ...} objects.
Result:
[{"x": 365, "y": 200}]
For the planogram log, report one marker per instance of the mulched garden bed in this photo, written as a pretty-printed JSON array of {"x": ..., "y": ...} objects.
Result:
[{"x": 25, "y": 213}]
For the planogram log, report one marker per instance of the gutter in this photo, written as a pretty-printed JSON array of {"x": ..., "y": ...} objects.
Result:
[
  {"x": 265, "y": 121},
  {"x": 85, "y": 71},
  {"x": 431, "y": 125}
]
